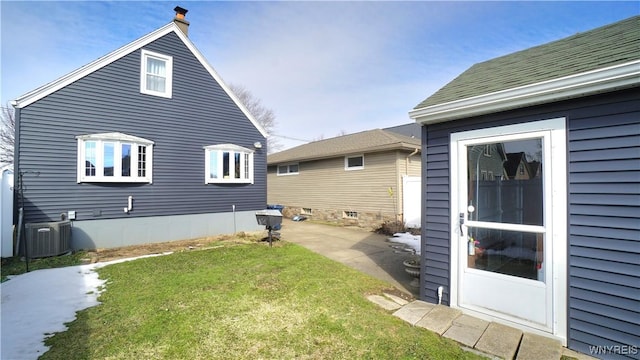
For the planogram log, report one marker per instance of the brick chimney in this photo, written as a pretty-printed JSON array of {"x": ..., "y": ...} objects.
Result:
[{"x": 180, "y": 21}]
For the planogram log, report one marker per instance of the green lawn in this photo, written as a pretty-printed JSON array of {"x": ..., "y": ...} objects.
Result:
[
  {"x": 244, "y": 301},
  {"x": 17, "y": 266}
]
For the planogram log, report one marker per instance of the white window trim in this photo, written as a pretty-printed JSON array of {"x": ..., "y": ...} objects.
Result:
[
  {"x": 118, "y": 139},
  {"x": 346, "y": 162},
  {"x": 143, "y": 73},
  {"x": 288, "y": 173},
  {"x": 232, "y": 149}
]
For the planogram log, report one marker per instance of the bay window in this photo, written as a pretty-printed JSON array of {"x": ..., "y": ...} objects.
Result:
[
  {"x": 228, "y": 163},
  {"x": 114, "y": 157}
]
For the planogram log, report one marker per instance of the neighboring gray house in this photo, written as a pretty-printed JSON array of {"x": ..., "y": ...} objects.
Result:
[
  {"x": 560, "y": 254},
  {"x": 145, "y": 144}
]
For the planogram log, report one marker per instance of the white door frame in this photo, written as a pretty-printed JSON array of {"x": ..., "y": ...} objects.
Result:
[{"x": 556, "y": 199}]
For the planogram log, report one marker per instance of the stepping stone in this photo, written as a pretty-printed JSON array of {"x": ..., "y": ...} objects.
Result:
[
  {"x": 414, "y": 311},
  {"x": 500, "y": 340},
  {"x": 466, "y": 330},
  {"x": 400, "y": 301},
  {"x": 439, "y": 319},
  {"x": 534, "y": 347},
  {"x": 383, "y": 302}
]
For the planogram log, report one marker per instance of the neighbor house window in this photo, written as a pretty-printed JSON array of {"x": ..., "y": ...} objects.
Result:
[
  {"x": 354, "y": 162},
  {"x": 350, "y": 214},
  {"x": 156, "y": 72},
  {"x": 291, "y": 169},
  {"x": 307, "y": 211},
  {"x": 107, "y": 157},
  {"x": 487, "y": 150},
  {"x": 228, "y": 163}
]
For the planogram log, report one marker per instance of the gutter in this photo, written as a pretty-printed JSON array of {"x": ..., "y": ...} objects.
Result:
[{"x": 588, "y": 83}]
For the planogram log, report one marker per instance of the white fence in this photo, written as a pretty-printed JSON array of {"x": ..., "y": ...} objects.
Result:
[
  {"x": 6, "y": 212},
  {"x": 411, "y": 200}
]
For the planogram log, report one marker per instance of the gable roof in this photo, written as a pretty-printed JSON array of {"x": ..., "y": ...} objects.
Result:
[
  {"x": 412, "y": 130},
  {"x": 513, "y": 162},
  {"x": 358, "y": 143},
  {"x": 603, "y": 59},
  {"x": 105, "y": 60}
]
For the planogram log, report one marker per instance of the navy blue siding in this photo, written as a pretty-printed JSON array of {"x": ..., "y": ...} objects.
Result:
[
  {"x": 603, "y": 204},
  {"x": 200, "y": 113},
  {"x": 604, "y": 226}
]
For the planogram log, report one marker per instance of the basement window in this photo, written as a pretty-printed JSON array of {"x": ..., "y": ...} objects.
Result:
[
  {"x": 156, "y": 72},
  {"x": 113, "y": 158},
  {"x": 306, "y": 211},
  {"x": 350, "y": 214}
]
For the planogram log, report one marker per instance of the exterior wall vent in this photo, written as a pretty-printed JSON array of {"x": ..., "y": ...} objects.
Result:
[{"x": 48, "y": 239}]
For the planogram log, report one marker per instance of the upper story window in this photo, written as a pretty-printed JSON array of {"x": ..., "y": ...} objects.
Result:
[
  {"x": 114, "y": 157},
  {"x": 228, "y": 163},
  {"x": 156, "y": 72},
  {"x": 290, "y": 169},
  {"x": 354, "y": 162}
]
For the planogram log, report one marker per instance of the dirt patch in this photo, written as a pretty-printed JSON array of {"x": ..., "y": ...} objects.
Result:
[{"x": 103, "y": 255}]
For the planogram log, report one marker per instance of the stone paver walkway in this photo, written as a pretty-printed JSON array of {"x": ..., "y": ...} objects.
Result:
[{"x": 490, "y": 339}]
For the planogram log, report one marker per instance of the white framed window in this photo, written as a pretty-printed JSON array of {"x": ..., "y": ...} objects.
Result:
[
  {"x": 355, "y": 162},
  {"x": 114, "y": 157},
  {"x": 350, "y": 214},
  {"x": 228, "y": 163},
  {"x": 156, "y": 74},
  {"x": 289, "y": 169}
]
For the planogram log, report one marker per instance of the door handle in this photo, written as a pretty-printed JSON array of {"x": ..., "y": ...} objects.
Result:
[{"x": 461, "y": 222}]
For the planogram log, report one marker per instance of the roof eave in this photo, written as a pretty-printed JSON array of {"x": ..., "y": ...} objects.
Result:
[
  {"x": 394, "y": 146},
  {"x": 588, "y": 83},
  {"x": 85, "y": 70}
]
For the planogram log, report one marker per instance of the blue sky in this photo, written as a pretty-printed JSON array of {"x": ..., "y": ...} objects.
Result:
[{"x": 324, "y": 68}]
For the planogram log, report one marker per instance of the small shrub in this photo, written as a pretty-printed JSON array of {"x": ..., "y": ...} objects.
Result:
[{"x": 393, "y": 227}]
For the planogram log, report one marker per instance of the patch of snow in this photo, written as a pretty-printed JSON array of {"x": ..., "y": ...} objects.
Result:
[
  {"x": 411, "y": 241},
  {"x": 37, "y": 304}
]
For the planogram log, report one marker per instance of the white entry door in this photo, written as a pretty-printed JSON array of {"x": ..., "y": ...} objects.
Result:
[{"x": 509, "y": 223}]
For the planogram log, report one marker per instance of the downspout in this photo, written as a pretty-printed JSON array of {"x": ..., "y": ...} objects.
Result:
[{"x": 406, "y": 163}]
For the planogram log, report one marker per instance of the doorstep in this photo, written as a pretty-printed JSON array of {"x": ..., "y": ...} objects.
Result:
[{"x": 490, "y": 339}]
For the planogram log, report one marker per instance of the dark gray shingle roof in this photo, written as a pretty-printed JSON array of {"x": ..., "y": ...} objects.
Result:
[
  {"x": 606, "y": 46},
  {"x": 362, "y": 142}
]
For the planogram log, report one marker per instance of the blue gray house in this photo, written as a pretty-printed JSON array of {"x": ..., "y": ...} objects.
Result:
[
  {"x": 555, "y": 251},
  {"x": 145, "y": 144}
]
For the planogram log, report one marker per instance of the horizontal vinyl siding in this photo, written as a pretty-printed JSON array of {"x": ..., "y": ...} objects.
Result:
[
  {"x": 604, "y": 231},
  {"x": 325, "y": 184},
  {"x": 435, "y": 214},
  {"x": 200, "y": 113}
]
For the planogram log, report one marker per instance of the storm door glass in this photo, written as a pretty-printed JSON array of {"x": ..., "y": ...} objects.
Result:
[{"x": 505, "y": 191}]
